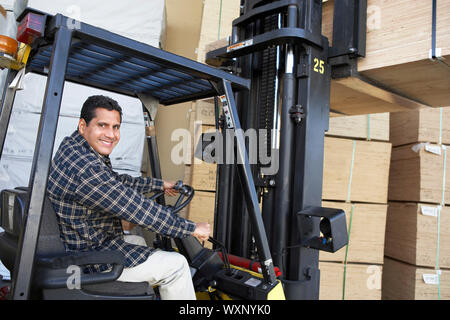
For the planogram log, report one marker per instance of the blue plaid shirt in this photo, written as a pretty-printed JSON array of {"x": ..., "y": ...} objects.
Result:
[{"x": 90, "y": 199}]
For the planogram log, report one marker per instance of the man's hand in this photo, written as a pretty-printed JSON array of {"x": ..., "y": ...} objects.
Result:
[
  {"x": 127, "y": 226},
  {"x": 168, "y": 188},
  {"x": 202, "y": 231}
]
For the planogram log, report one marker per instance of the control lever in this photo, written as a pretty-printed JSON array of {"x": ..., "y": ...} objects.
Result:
[{"x": 224, "y": 254}]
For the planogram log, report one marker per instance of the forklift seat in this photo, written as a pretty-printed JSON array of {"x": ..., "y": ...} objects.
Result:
[{"x": 54, "y": 267}]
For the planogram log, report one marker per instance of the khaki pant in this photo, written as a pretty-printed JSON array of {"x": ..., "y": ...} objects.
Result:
[{"x": 168, "y": 270}]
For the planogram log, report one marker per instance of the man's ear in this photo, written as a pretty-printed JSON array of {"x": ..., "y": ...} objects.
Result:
[{"x": 82, "y": 126}]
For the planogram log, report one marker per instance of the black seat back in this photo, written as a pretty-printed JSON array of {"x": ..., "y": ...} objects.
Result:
[
  {"x": 12, "y": 204},
  {"x": 49, "y": 235}
]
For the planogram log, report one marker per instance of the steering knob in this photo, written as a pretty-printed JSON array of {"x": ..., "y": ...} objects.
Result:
[
  {"x": 183, "y": 189},
  {"x": 178, "y": 185}
]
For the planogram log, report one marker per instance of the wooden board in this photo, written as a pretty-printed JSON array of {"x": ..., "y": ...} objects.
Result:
[
  {"x": 362, "y": 281},
  {"x": 426, "y": 125},
  {"x": 216, "y": 22},
  {"x": 397, "y": 57},
  {"x": 402, "y": 281},
  {"x": 204, "y": 112},
  {"x": 370, "y": 127},
  {"x": 366, "y": 240},
  {"x": 371, "y": 164},
  {"x": 201, "y": 209},
  {"x": 203, "y": 174},
  {"x": 353, "y": 96},
  {"x": 412, "y": 237},
  {"x": 418, "y": 176},
  {"x": 424, "y": 81}
]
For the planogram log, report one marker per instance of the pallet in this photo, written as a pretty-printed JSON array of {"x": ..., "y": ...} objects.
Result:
[
  {"x": 371, "y": 163},
  {"x": 418, "y": 175},
  {"x": 366, "y": 241},
  {"x": 402, "y": 281},
  {"x": 412, "y": 234},
  {"x": 362, "y": 281},
  {"x": 367, "y": 127},
  {"x": 428, "y": 125}
]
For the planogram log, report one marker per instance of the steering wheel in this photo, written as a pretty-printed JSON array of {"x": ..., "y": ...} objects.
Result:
[{"x": 184, "y": 190}]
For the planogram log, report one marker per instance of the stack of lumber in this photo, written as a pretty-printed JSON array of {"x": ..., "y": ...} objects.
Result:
[
  {"x": 417, "y": 262},
  {"x": 356, "y": 174},
  {"x": 398, "y": 44}
]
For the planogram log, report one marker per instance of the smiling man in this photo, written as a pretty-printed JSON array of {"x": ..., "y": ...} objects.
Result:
[{"x": 91, "y": 199}]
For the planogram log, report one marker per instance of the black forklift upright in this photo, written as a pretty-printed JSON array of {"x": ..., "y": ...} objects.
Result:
[
  {"x": 280, "y": 47},
  {"x": 23, "y": 273}
]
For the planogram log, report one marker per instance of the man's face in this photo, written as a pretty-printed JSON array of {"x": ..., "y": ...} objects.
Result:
[{"x": 103, "y": 131}]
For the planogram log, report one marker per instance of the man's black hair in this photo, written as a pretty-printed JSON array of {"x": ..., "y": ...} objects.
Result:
[{"x": 98, "y": 101}]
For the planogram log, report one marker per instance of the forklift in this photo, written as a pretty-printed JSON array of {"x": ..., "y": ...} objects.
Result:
[{"x": 269, "y": 225}]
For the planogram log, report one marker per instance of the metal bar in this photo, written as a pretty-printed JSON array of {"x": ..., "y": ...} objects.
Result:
[
  {"x": 349, "y": 28},
  {"x": 265, "y": 40},
  {"x": 248, "y": 187},
  {"x": 23, "y": 272},
  {"x": 265, "y": 10},
  {"x": 140, "y": 54},
  {"x": 156, "y": 173},
  {"x": 433, "y": 30},
  {"x": 8, "y": 96},
  {"x": 221, "y": 209},
  {"x": 283, "y": 190}
]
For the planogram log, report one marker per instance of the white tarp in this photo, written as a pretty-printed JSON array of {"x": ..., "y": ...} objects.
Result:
[{"x": 141, "y": 20}]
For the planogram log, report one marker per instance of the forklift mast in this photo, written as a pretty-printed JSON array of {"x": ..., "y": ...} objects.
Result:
[{"x": 280, "y": 47}]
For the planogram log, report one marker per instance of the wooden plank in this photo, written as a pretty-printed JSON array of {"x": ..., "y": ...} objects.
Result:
[
  {"x": 370, "y": 127},
  {"x": 420, "y": 126},
  {"x": 418, "y": 176},
  {"x": 371, "y": 163},
  {"x": 362, "y": 281},
  {"x": 204, "y": 112},
  {"x": 201, "y": 209},
  {"x": 366, "y": 237},
  {"x": 412, "y": 237},
  {"x": 216, "y": 23},
  {"x": 425, "y": 81},
  {"x": 216, "y": 45},
  {"x": 382, "y": 97},
  {"x": 351, "y": 102},
  {"x": 203, "y": 174},
  {"x": 402, "y": 281}
]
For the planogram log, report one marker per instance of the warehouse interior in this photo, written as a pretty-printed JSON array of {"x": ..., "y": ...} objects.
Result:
[{"x": 385, "y": 155}]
